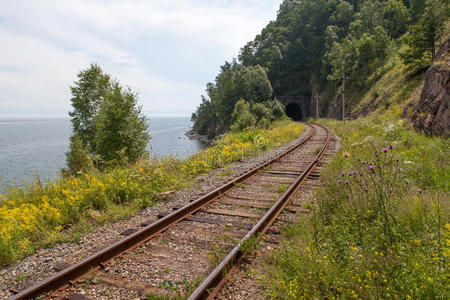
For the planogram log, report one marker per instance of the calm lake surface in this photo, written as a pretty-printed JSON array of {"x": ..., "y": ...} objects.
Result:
[{"x": 30, "y": 148}]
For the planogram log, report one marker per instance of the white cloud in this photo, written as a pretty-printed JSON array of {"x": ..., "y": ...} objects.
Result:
[{"x": 166, "y": 50}]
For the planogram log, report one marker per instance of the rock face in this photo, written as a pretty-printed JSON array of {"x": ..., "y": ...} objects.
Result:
[{"x": 431, "y": 114}]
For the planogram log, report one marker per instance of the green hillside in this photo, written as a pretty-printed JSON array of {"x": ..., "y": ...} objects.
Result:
[{"x": 314, "y": 47}]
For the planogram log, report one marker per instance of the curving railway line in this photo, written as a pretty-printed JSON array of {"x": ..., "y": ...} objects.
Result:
[{"x": 200, "y": 242}]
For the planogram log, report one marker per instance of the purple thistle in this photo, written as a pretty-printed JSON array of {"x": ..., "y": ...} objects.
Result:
[
  {"x": 353, "y": 172},
  {"x": 346, "y": 181},
  {"x": 371, "y": 167},
  {"x": 419, "y": 190},
  {"x": 350, "y": 174},
  {"x": 345, "y": 155},
  {"x": 342, "y": 173},
  {"x": 363, "y": 162},
  {"x": 339, "y": 181},
  {"x": 376, "y": 153},
  {"x": 385, "y": 150},
  {"x": 385, "y": 162},
  {"x": 392, "y": 194},
  {"x": 358, "y": 159},
  {"x": 390, "y": 147}
]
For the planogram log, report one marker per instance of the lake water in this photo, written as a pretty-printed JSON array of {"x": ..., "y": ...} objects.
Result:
[{"x": 37, "y": 147}]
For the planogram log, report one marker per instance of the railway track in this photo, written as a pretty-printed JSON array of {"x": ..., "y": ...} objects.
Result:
[{"x": 202, "y": 240}]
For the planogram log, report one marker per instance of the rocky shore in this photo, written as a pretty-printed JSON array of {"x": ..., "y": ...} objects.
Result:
[{"x": 202, "y": 138}]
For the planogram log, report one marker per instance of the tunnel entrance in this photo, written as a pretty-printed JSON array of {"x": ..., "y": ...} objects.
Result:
[{"x": 294, "y": 112}]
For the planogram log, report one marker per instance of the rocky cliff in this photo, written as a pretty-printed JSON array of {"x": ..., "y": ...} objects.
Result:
[{"x": 431, "y": 113}]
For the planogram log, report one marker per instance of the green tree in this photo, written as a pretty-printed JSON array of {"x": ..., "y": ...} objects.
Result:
[
  {"x": 242, "y": 118},
  {"x": 108, "y": 125},
  {"x": 342, "y": 58},
  {"x": 88, "y": 94},
  {"x": 396, "y": 18},
  {"x": 416, "y": 9},
  {"x": 121, "y": 128},
  {"x": 366, "y": 48},
  {"x": 254, "y": 84},
  {"x": 277, "y": 110},
  {"x": 234, "y": 82},
  {"x": 421, "y": 40},
  {"x": 382, "y": 42},
  {"x": 367, "y": 19},
  {"x": 263, "y": 114},
  {"x": 342, "y": 16},
  {"x": 204, "y": 118},
  {"x": 440, "y": 11}
]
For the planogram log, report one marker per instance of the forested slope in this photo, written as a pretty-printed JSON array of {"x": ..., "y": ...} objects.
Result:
[{"x": 314, "y": 47}]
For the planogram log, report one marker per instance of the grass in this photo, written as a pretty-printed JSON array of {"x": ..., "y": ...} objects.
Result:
[
  {"x": 216, "y": 254},
  {"x": 41, "y": 214},
  {"x": 251, "y": 245},
  {"x": 282, "y": 188},
  {"x": 188, "y": 288},
  {"x": 379, "y": 226},
  {"x": 392, "y": 88}
]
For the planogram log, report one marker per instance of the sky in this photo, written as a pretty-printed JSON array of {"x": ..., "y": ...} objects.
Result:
[{"x": 166, "y": 51}]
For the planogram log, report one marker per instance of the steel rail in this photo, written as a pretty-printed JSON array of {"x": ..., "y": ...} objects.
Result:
[
  {"x": 71, "y": 274},
  {"x": 211, "y": 286}
]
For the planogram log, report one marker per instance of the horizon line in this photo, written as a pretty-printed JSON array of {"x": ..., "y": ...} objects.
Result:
[{"x": 68, "y": 117}]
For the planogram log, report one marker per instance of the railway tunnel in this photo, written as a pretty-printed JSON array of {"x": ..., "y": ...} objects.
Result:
[
  {"x": 296, "y": 107},
  {"x": 294, "y": 112}
]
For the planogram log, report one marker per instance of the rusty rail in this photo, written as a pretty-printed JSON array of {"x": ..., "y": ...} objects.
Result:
[
  {"x": 71, "y": 274},
  {"x": 217, "y": 278}
]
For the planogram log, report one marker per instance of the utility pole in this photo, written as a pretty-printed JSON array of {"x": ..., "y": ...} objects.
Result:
[
  {"x": 317, "y": 104},
  {"x": 343, "y": 90}
]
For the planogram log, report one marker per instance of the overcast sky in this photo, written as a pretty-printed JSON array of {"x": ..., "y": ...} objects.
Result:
[{"x": 165, "y": 50}]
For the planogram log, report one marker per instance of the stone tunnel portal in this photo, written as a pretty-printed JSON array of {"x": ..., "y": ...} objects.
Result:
[{"x": 294, "y": 112}]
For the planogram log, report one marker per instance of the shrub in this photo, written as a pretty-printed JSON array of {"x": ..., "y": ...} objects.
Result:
[
  {"x": 242, "y": 118},
  {"x": 260, "y": 111},
  {"x": 277, "y": 110},
  {"x": 78, "y": 158},
  {"x": 260, "y": 115}
]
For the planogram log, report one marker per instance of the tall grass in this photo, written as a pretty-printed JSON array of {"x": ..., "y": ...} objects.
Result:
[
  {"x": 379, "y": 227},
  {"x": 38, "y": 214}
]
